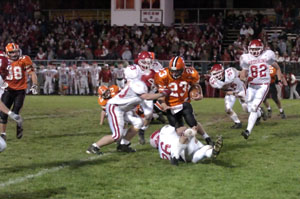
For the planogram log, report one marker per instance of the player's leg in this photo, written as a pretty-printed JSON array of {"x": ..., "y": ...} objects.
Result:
[
  {"x": 18, "y": 104},
  {"x": 116, "y": 124},
  {"x": 255, "y": 96},
  {"x": 229, "y": 102},
  {"x": 137, "y": 123},
  {"x": 7, "y": 99},
  {"x": 147, "y": 106},
  {"x": 189, "y": 117},
  {"x": 275, "y": 98}
]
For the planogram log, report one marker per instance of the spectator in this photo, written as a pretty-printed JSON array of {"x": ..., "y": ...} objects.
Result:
[
  {"x": 243, "y": 31},
  {"x": 279, "y": 13},
  {"x": 293, "y": 85},
  {"x": 105, "y": 76}
]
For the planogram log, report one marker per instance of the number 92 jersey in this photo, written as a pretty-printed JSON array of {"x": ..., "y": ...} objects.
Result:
[
  {"x": 16, "y": 77},
  {"x": 258, "y": 67},
  {"x": 179, "y": 87}
]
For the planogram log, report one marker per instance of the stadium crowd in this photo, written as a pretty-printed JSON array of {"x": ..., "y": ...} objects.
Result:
[{"x": 60, "y": 39}]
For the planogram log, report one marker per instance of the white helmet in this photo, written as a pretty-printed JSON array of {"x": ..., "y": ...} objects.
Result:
[
  {"x": 154, "y": 139},
  {"x": 2, "y": 144}
]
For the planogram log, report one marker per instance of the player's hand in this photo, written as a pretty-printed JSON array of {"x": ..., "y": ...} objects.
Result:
[
  {"x": 15, "y": 117},
  {"x": 34, "y": 89},
  {"x": 166, "y": 92},
  {"x": 164, "y": 106},
  {"x": 197, "y": 97}
]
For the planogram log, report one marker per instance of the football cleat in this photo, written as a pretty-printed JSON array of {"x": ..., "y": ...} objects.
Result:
[
  {"x": 245, "y": 134},
  {"x": 263, "y": 114},
  {"x": 142, "y": 137},
  {"x": 125, "y": 148},
  {"x": 19, "y": 134},
  {"x": 209, "y": 141},
  {"x": 269, "y": 113},
  {"x": 236, "y": 126},
  {"x": 217, "y": 147},
  {"x": 282, "y": 115},
  {"x": 174, "y": 161},
  {"x": 94, "y": 150},
  {"x": 3, "y": 135}
]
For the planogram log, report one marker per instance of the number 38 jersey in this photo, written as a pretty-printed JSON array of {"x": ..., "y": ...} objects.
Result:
[
  {"x": 179, "y": 87},
  {"x": 16, "y": 77},
  {"x": 258, "y": 67}
]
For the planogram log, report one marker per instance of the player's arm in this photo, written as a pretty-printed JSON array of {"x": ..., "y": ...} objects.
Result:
[
  {"x": 244, "y": 75},
  {"x": 153, "y": 96},
  {"x": 278, "y": 71}
]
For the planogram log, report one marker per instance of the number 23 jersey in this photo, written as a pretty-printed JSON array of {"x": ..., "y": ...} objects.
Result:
[
  {"x": 16, "y": 78},
  {"x": 179, "y": 87},
  {"x": 258, "y": 67}
]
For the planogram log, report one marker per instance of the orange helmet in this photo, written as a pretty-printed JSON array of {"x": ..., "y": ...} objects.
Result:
[
  {"x": 114, "y": 90},
  {"x": 103, "y": 92},
  {"x": 13, "y": 51},
  {"x": 176, "y": 67}
]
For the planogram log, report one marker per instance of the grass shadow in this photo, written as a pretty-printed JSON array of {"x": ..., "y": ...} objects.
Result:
[{"x": 44, "y": 193}]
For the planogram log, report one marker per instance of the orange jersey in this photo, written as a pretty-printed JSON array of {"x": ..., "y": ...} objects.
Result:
[
  {"x": 114, "y": 90},
  {"x": 273, "y": 72},
  {"x": 179, "y": 87},
  {"x": 17, "y": 78}
]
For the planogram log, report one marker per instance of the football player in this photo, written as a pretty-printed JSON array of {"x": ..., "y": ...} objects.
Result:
[
  {"x": 255, "y": 70},
  {"x": 183, "y": 144},
  {"x": 180, "y": 79},
  {"x": 229, "y": 81},
  {"x": 104, "y": 95},
  {"x": 146, "y": 70},
  {"x": 3, "y": 85},
  {"x": 18, "y": 67},
  {"x": 133, "y": 94},
  {"x": 274, "y": 93}
]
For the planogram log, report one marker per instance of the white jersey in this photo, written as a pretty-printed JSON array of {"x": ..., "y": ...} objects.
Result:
[
  {"x": 231, "y": 81},
  {"x": 258, "y": 67},
  {"x": 169, "y": 137},
  {"x": 129, "y": 97},
  {"x": 156, "y": 66}
]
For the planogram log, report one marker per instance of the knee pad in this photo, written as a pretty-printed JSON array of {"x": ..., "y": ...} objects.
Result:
[{"x": 138, "y": 123}]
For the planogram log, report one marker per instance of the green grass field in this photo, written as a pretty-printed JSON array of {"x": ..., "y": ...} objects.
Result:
[{"x": 50, "y": 160}]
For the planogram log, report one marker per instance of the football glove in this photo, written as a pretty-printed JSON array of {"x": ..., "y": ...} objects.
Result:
[
  {"x": 15, "y": 117},
  {"x": 34, "y": 89}
]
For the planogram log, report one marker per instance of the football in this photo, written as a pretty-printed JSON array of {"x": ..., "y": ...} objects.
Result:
[{"x": 194, "y": 92}]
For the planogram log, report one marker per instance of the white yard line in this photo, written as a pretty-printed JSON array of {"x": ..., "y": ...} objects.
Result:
[{"x": 46, "y": 171}]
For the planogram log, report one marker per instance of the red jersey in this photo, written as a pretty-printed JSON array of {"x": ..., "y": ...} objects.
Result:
[
  {"x": 179, "y": 87},
  {"x": 17, "y": 78},
  {"x": 105, "y": 75}
]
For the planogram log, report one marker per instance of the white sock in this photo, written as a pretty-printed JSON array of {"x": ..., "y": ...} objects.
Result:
[
  {"x": 269, "y": 108},
  {"x": 95, "y": 145},
  {"x": 258, "y": 112},
  {"x": 235, "y": 118},
  {"x": 3, "y": 133},
  {"x": 205, "y": 135},
  {"x": 281, "y": 110},
  {"x": 251, "y": 121},
  {"x": 124, "y": 141}
]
